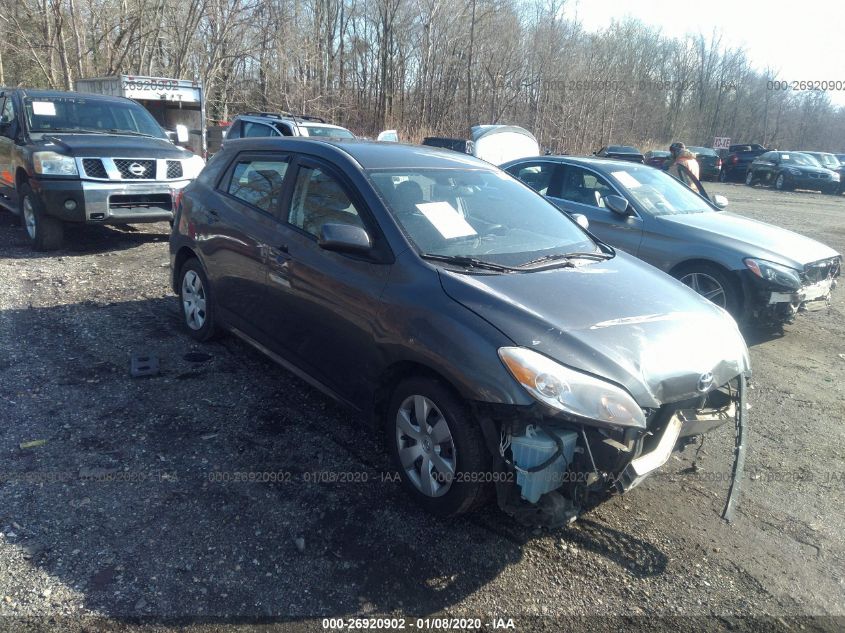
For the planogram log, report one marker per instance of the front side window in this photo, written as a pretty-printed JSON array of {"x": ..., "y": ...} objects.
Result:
[
  {"x": 89, "y": 114},
  {"x": 7, "y": 112},
  {"x": 477, "y": 213},
  {"x": 584, "y": 187},
  {"x": 259, "y": 182},
  {"x": 318, "y": 199}
]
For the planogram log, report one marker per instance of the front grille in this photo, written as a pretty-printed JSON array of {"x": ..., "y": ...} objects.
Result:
[
  {"x": 821, "y": 270},
  {"x": 142, "y": 201},
  {"x": 94, "y": 168},
  {"x": 174, "y": 169},
  {"x": 136, "y": 169}
]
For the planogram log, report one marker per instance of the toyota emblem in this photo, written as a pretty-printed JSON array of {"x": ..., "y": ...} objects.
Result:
[
  {"x": 137, "y": 169},
  {"x": 705, "y": 382}
]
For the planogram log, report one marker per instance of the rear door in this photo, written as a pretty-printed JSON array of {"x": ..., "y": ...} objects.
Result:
[
  {"x": 325, "y": 305},
  {"x": 582, "y": 191},
  {"x": 239, "y": 227},
  {"x": 542, "y": 176}
]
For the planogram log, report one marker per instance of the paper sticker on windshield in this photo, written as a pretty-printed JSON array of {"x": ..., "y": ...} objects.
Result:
[
  {"x": 44, "y": 108},
  {"x": 446, "y": 219},
  {"x": 626, "y": 179},
  {"x": 784, "y": 156}
]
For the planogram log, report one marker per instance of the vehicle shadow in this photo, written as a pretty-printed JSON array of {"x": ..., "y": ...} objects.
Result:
[
  {"x": 81, "y": 239},
  {"x": 223, "y": 486}
]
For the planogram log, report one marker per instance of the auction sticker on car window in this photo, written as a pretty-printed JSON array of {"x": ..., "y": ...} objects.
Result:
[
  {"x": 44, "y": 108},
  {"x": 446, "y": 219},
  {"x": 626, "y": 179}
]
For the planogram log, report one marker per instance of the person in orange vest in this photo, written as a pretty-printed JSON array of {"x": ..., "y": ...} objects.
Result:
[{"x": 682, "y": 156}]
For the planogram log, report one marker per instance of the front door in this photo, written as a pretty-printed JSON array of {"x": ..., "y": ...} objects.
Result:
[
  {"x": 325, "y": 305},
  {"x": 583, "y": 191}
]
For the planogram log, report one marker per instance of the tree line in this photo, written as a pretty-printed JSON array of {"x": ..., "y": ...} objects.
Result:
[{"x": 428, "y": 67}]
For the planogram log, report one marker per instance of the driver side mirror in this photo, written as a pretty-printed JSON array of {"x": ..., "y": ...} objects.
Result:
[
  {"x": 720, "y": 201},
  {"x": 618, "y": 205},
  {"x": 182, "y": 135},
  {"x": 581, "y": 220},
  {"x": 344, "y": 238}
]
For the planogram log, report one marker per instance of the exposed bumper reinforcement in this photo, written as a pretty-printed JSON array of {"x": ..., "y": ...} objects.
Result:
[{"x": 640, "y": 467}]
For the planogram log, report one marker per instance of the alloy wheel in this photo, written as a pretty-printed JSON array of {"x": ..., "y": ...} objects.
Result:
[
  {"x": 425, "y": 444},
  {"x": 707, "y": 287},
  {"x": 780, "y": 182},
  {"x": 30, "y": 221},
  {"x": 193, "y": 300}
]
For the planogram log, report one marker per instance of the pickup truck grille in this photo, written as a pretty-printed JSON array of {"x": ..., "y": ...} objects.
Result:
[
  {"x": 174, "y": 169},
  {"x": 94, "y": 168},
  {"x": 136, "y": 169}
]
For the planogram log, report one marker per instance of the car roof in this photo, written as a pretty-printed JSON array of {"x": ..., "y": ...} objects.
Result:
[
  {"x": 367, "y": 154},
  {"x": 288, "y": 119},
  {"x": 54, "y": 94}
]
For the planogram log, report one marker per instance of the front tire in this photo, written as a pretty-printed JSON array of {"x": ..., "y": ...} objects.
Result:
[
  {"x": 195, "y": 301},
  {"x": 749, "y": 178},
  {"x": 714, "y": 284},
  {"x": 781, "y": 183},
  {"x": 437, "y": 448},
  {"x": 45, "y": 233}
]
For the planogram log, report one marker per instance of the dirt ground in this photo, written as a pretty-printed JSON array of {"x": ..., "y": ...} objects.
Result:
[{"x": 197, "y": 493}]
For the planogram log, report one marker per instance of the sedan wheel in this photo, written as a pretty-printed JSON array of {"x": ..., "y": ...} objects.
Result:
[
  {"x": 780, "y": 183},
  {"x": 706, "y": 286},
  {"x": 437, "y": 447},
  {"x": 193, "y": 300},
  {"x": 426, "y": 447},
  {"x": 749, "y": 179},
  {"x": 196, "y": 302}
]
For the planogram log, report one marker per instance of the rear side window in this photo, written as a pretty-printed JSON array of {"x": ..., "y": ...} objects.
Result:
[
  {"x": 259, "y": 182},
  {"x": 257, "y": 130},
  {"x": 319, "y": 199}
]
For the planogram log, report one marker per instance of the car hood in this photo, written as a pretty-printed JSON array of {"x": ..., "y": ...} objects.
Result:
[
  {"x": 751, "y": 238},
  {"x": 621, "y": 320},
  {"x": 108, "y": 145}
]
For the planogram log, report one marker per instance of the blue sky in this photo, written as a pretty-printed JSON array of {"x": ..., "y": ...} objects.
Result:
[{"x": 803, "y": 41}]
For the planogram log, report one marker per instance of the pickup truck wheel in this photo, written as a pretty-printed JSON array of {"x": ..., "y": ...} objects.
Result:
[
  {"x": 712, "y": 283},
  {"x": 437, "y": 448},
  {"x": 44, "y": 232},
  {"x": 197, "y": 307},
  {"x": 723, "y": 175}
]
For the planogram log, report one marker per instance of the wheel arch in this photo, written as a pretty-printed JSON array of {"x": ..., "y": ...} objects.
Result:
[
  {"x": 398, "y": 371},
  {"x": 182, "y": 255}
]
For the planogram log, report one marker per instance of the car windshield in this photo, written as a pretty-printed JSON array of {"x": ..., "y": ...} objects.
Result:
[
  {"x": 319, "y": 130},
  {"x": 657, "y": 192},
  {"x": 623, "y": 149},
  {"x": 704, "y": 151},
  {"x": 478, "y": 213},
  {"x": 796, "y": 158},
  {"x": 89, "y": 114}
]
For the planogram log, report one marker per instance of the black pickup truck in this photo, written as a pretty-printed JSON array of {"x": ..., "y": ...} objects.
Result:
[
  {"x": 737, "y": 160},
  {"x": 83, "y": 158}
]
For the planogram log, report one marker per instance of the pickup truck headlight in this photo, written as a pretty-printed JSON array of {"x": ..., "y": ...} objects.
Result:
[
  {"x": 775, "y": 273},
  {"x": 54, "y": 164},
  {"x": 192, "y": 167},
  {"x": 571, "y": 391}
]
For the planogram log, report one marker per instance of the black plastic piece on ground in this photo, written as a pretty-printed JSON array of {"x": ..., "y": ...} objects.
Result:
[
  {"x": 197, "y": 357},
  {"x": 141, "y": 365}
]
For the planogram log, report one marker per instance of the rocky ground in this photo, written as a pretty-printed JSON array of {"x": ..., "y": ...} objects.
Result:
[{"x": 189, "y": 497}]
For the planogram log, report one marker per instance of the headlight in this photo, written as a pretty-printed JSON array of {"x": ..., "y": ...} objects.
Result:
[
  {"x": 192, "y": 167},
  {"x": 775, "y": 273},
  {"x": 53, "y": 164},
  {"x": 571, "y": 391},
  {"x": 794, "y": 171},
  {"x": 834, "y": 177}
]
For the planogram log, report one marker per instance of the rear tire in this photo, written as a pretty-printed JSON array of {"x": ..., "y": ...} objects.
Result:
[
  {"x": 723, "y": 176},
  {"x": 196, "y": 301},
  {"x": 713, "y": 283},
  {"x": 437, "y": 448},
  {"x": 45, "y": 233},
  {"x": 749, "y": 178}
]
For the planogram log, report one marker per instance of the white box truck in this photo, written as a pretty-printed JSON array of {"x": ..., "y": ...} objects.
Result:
[{"x": 174, "y": 103}]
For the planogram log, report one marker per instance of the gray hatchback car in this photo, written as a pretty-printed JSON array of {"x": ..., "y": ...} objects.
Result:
[{"x": 756, "y": 271}]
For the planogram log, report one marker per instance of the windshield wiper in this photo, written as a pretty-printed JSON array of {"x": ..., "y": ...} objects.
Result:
[
  {"x": 127, "y": 132},
  {"x": 565, "y": 259},
  {"x": 468, "y": 262}
]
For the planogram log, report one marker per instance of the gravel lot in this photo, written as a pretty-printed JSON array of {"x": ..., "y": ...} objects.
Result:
[{"x": 134, "y": 505}]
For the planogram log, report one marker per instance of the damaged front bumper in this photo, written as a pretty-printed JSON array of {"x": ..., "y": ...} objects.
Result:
[{"x": 781, "y": 305}]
